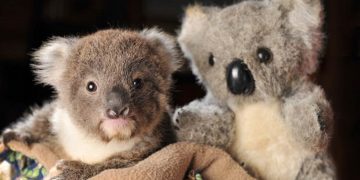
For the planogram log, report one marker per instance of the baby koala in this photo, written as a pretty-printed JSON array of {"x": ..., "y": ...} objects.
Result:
[{"x": 111, "y": 108}]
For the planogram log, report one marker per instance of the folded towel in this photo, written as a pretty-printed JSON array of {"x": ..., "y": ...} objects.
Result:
[{"x": 181, "y": 160}]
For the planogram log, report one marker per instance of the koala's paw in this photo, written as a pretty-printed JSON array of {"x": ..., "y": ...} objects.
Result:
[
  {"x": 319, "y": 166},
  {"x": 192, "y": 114},
  {"x": 207, "y": 124},
  {"x": 310, "y": 116},
  {"x": 64, "y": 170},
  {"x": 13, "y": 135},
  {"x": 183, "y": 118}
]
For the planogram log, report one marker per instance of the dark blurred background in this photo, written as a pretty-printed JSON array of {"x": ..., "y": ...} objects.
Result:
[{"x": 24, "y": 24}]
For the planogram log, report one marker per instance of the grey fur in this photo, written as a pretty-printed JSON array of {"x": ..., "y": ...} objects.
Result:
[
  {"x": 309, "y": 115},
  {"x": 291, "y": 30},
  {"x": 319, "y": 166},
  {"x": 112, "y": 59},
  {"x": 204, "y": 122}
]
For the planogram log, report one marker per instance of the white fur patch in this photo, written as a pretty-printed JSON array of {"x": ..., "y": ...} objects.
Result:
[
  {"x": 82, "y": 146},
  {"x": 305, "y": 18},
  {"x": 264, "y": 142},
  {"x": 167, "y": 41},
  {"x": 50, "y": 59}
]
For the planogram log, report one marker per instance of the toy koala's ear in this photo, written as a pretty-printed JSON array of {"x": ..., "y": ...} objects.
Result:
[
  {"x": 50, "y": 59},
  {"x": 166, "y": 41},
  {"x": 195, "y": 20},
  {"x": 305, "y": 20},
  {"x": 197, "y": 12},
  {"x": 194, "y": 24}
]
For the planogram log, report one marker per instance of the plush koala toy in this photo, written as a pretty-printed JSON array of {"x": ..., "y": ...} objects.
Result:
[{"x": 254, "y": 59}]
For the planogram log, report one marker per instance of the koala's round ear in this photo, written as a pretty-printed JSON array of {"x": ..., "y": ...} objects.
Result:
[
  {"x": 195, "y": 21},
  {"x": 50, "y": 60},
  {"x": 198, "y": 12},
  {"x": 305, "y": 20},
  {"x": 166, "y": 41}
]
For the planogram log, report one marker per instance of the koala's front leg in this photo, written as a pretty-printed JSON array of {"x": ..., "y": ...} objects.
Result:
[
  {"x": 205, "y": 123},
  {"x": 309, "y": 116},
  {"x": 318, "y": 166},
  {"x": 65, "y": 170},
  {"x": 31, "y": 129}
]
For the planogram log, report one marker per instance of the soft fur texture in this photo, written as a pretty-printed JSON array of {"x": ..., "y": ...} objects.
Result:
[
  {"x": 88, "y": 148},
  {"x": 118, "y": 120},
  {"x": 282, "y": 120},
  {"x": 192, "y": 126}
]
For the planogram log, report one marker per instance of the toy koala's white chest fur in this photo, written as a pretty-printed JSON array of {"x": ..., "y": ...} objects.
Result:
[
  {"x": 81, "y": 146},
  {"x": 264, "y": 142}
]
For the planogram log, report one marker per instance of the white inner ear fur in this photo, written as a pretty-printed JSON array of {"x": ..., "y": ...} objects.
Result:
[
  {"x": 50, "y": 60},
  {"x": 166, "y": 41},
  {"x": 306, "y": 19},
  {"x": 190, "y": 33}
]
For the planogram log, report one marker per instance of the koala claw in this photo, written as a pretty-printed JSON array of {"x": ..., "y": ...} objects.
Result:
[
  {"x": 12, "y": 135},
  {"x": 68, "y": 170},
  {"x": 184, "y": 115},
  {"x": 204, "y": 123}
]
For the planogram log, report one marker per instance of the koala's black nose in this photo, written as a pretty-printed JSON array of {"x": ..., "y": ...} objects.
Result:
[
  {"x": 239, "y": 78},
  {"x": 115, "y": 113},
  {"x": 117, "y": 103}
]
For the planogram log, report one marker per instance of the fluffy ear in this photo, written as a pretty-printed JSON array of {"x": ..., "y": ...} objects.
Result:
[
  {"x": 50, "y": 60},
  {"x": 197, "y": 12},
  {"x": 194, "y": 25},
  {"x": 305, "y": 18},
  {"x": 195, "y": 20},
  {"x": 166, "y": 41}
]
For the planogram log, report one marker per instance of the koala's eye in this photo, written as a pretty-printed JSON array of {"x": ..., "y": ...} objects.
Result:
[
  {"x": 137, "y": 83},
  {"x": 211, "y": 59},
  {"x": 264, "y": 55},
  {"x": 91, "y": 86}
]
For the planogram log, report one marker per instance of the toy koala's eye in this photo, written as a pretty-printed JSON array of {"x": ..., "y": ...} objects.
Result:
[
  {"x": 211, "y": 59},
  {"x": 264, "y": 55},
  {"x": 91, "y": 86},
  {"x": 137, "y": 83}
]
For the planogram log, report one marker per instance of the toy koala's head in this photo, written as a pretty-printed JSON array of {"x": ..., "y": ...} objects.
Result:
[
  {"x": 256, "y": 48},
  {"x": 114, "y": 82}
]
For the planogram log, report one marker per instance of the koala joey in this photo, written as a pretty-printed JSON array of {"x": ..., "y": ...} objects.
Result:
[
  {"x": 254, "y": 59},
  {"x": 111, "y": 108}
]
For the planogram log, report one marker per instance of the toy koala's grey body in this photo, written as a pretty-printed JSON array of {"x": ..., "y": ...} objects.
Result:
[{"x": 254, "y": 59}]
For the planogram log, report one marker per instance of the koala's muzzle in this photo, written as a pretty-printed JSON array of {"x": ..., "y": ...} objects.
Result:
[
  {"x": 117, "y": 103},
  {"x": 239, "y": 78}
]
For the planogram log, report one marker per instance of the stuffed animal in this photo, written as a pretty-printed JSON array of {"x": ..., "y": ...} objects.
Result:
[{"x": 254, "y": 58}]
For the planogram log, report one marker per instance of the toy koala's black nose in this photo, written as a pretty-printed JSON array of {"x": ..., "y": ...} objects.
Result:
[
  {"x": 239, "y": 78},
  {"x": 117, "y": 104}
]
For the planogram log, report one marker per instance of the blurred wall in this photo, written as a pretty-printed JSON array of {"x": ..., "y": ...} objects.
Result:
[
  {"x": 24, "y": 24},
  {"x": 339, "y": 76}
]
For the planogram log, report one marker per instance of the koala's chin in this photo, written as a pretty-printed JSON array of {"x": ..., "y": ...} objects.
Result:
[{"x": 120, "y": 128}]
